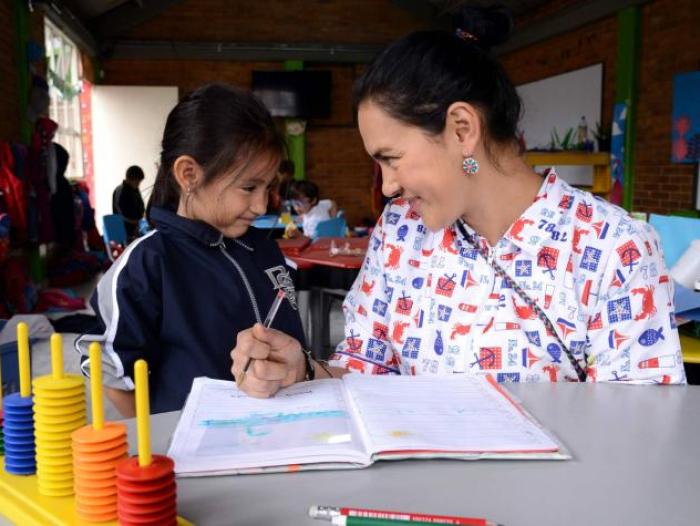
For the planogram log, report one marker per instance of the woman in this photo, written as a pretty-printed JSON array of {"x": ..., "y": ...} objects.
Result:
[{"x": 480, "y": 264}]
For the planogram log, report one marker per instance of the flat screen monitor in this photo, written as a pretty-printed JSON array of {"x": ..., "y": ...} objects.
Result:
[{"x": 294, "y": 93}]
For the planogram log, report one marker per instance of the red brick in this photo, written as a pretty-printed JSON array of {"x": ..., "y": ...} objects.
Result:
[
  {"x": 9, "y": 87},
  {"x": 336, "y": 159}
]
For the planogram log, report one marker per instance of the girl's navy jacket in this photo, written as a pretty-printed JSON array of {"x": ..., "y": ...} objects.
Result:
[{"x": 177, "y": 297}]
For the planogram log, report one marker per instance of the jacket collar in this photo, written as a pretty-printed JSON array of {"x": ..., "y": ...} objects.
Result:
[{"x": 169, "y": 222}]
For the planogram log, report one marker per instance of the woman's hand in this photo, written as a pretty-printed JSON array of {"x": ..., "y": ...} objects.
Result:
[{"x": 277, "y": 361}]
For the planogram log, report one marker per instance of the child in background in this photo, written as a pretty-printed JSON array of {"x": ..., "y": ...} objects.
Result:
[
  {"x": 304, "y": 195},
  {"x": 179, "y": 295},
  {"x": 127, "y": 201}
]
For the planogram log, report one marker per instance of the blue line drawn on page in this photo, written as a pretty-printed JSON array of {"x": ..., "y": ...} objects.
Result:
[{"x": 257, "y": 424}]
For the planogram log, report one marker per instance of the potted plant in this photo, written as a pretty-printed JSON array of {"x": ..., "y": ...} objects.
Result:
[
  {"x": 602, "y": 137},
  {"x": 561, "y": 144}
]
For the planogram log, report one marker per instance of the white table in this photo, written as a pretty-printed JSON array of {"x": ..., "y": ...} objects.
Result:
[{"x": 636, "y": 462}]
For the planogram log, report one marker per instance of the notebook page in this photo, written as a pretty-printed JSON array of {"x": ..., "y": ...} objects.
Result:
[
  {"x": 221, "y": 428},
  {"x": 460, "y": 414}
]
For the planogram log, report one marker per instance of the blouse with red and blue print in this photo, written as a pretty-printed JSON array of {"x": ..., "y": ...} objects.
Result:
[{"x": 428, "y": 303}]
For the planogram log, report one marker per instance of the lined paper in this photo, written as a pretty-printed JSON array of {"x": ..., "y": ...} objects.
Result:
[
  {"x": 460, "y": 414},
  {"x": 223, "y": 427},
  {"x": 333, "y": 424}
]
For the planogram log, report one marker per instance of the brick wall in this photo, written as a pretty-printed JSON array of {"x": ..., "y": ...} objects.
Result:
[
  {"x": 10, "y": 113},
  {"x": 9, "y": 86},
  {"x": 589, "y": 45},
  {"x": 359, "y": 21},
  {"x": 669, "y": 46},
  {"x": 335, "y": 157}
]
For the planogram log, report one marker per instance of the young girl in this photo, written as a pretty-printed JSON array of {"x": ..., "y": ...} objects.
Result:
[
  {"x": 178, "y": 296},
  {"x": 304, "y": 195}
]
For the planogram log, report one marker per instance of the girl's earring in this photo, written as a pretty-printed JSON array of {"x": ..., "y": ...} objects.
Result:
[{"x": 470, "y": 165}]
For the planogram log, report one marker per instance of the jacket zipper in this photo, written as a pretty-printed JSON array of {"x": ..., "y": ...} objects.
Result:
[{"x": 251, "y": 296}]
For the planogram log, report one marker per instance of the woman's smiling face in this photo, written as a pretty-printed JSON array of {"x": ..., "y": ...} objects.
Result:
[{"x": 424, "y": 169}]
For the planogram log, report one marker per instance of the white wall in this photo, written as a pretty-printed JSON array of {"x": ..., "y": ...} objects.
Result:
[
  {"x": 559, "y": 102},
  {"x": 127, "y": 127}
]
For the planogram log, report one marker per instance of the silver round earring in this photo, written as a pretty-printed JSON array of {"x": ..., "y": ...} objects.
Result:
[{"x": 470, "y": 165}]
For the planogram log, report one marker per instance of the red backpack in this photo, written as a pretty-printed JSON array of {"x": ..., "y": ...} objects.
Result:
[{"x": 12, "y": 190}]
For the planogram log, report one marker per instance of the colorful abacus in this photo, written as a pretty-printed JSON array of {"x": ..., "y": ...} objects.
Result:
[
  {"x": 108, "y": 485},
  {"x": 97, "y": 448},
  {"x": 146, "y": 483},
  {"x": 59, "y": 409},
  {"x": 18, "y": 425}
]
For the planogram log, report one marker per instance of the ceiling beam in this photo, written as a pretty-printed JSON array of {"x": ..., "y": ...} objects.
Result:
[
  {"x": 564, "y": 21},
  {"x": 70, "y": 25},
  {"x": 243, "y": 51},
  {"x": 126, "y": 16}
]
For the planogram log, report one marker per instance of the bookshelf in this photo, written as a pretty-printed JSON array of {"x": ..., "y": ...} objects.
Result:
[{"x": 600, "y": 161}]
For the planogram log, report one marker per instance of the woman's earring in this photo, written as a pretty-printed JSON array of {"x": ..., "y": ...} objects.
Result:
[{"x": 470, "y": 165}]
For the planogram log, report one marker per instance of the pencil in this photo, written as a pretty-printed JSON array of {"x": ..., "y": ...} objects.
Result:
[
  {"x": 404, "y": 369},
  {"x": 267, "y": 324},
  {"x": 350, "y": 520},
  {"x": 363, "y": 516}
]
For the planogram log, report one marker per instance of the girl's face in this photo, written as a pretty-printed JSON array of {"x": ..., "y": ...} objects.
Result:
[
  {"x": 424, "y": 169},
  {"x": 232, "y": 201},
  {"x": 302, "y": 204}
]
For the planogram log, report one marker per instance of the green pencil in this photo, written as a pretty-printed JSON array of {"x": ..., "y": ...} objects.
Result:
[{"x": 345, "y": 520}]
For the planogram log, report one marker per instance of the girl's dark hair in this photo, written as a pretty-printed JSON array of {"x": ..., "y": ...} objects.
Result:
[
  {"x": 220, "y": 127},
  {"x": 304, "y": 189},
  {"x": 417, "y": 78},
  {"x": 286, "y": 167},
  {"x": 62, "y": 158},
  {"x": 135, "y": 173}
]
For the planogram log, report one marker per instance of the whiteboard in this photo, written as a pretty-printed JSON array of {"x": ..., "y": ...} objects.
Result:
[
  {"x": 127, "y": 128},
  {"x": 560, "y": 102}
]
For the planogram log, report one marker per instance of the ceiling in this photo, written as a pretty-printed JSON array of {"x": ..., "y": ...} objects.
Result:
[
  {"x": 101, "y": 27},
  {"x": 87, "y": 10}
]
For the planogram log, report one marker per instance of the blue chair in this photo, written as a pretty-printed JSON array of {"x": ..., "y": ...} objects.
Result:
[
  {"x": 113, "y": 229},
  {"x": 268, "y": 221},
  {"x": 675, "y": 233},
  {"x": 336, "y": 227},
  {"x": 144, "y": 226}
]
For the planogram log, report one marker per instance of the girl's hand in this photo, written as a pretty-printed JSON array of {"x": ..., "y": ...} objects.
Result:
[
  {"x": 291, "y": 231},
  {"x": 277, "y": 361}
]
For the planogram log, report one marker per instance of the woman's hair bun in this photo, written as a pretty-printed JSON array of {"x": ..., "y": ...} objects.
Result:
[{"x": 484, "y": 26}]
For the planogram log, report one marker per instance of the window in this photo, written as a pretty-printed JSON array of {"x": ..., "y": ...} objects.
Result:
[{"x": 64, "y": 74}]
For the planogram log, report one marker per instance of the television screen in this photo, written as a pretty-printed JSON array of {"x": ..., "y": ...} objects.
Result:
[{"x": 294, "y": 93}]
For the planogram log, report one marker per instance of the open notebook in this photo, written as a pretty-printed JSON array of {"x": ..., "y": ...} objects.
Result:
[{"x": 350, "y": 423}]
